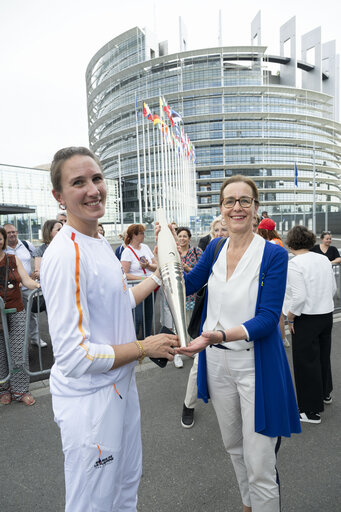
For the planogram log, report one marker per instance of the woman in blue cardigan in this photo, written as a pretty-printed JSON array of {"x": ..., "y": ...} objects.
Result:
[{"x": 242, "y": 362}]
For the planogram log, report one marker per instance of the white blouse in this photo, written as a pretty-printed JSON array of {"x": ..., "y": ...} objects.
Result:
[
  {"x": 310, "y": 285},
  {"x": 233, "y": 302}
]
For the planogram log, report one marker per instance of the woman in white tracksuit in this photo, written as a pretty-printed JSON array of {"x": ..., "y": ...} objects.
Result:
[{"x": 92, "y": 382}]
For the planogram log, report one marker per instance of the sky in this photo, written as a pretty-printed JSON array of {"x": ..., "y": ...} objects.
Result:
[{"x": 45, "y": 47}]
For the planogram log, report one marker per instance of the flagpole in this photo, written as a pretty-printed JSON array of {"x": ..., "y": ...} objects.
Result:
[
  {"x": 144, "y": 169},
  {"x": 120, "y": 185},
  {"x": 294, "y": 202},
  {"x": 161, "y": 203},
  {"x": 162, "y": 172},
  {"x": 168, "y": 173},
  {"x": 150, "y": 172},
  {"x": 314, "y": 190},
  {"x": 178, "y": 180},
  {"x": 138, "y": 161},
  {"x": 155, "y": 169}
]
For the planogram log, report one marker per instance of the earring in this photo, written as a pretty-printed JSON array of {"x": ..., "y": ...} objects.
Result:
[
  {"x": 62, "y": 206},
  {"x": 223, "y": 222}
]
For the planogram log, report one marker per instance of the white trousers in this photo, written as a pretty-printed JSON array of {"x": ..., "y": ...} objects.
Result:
[
  {"x": 231, "y": 384},
  {"x": 192, "y": 387},
  {"x": 101, "y": 441}
]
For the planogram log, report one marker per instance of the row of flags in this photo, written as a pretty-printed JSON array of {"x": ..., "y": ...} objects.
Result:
[
  {"x": 173, "y": 134},
  {"x": 176, "y": 134}
]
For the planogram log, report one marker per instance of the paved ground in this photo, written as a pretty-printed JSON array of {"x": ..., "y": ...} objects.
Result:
[{"x": 183, "y": 470}]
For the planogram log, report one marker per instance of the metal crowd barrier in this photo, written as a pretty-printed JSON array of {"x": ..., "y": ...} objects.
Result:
[
  {"x": 3, "y": 313},
  {"x": 42, "y": 372},
  {"x": 134, "y": 283},
  {"x": 337, "y": 297}
]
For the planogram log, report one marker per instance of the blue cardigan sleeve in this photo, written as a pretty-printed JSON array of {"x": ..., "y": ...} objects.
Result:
[{"x": 270, "y": 295}]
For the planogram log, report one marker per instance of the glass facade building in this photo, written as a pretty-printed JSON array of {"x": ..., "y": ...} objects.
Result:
[
  {"x": 243, "y": 110},
  {"x": 26, "y": 188}
]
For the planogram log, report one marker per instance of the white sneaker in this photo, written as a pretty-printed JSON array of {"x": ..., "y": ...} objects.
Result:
[
  {"x": 178, "y": 363},
  {"x": 286, "y": 342},
  {"x": 42, "y": 343}
]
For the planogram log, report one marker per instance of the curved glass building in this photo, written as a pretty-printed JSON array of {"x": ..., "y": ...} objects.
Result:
[{"x": 243, "y": 109}]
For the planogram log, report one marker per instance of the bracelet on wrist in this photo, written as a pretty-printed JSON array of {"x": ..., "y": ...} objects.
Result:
[
  {"x": 223, "y": 333},
  {"x": 156, "y": 279},
  {"x": 142, "y": 352},
  {"x": 291, "y": 321}
]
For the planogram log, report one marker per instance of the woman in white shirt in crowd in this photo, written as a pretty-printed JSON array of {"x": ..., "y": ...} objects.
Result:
[
  {"x": 94, "y": 395},
  {"x": 138, "y": 262},
  {"x": 309, "y": 307}
]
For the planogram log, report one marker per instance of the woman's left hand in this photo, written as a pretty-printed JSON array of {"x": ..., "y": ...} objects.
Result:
[
  {"x": 291, "y": 318},
  {"x": 195, "y": 346}
]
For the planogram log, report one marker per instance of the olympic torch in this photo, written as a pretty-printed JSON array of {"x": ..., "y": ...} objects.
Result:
[{"x": 172, "y": 276}]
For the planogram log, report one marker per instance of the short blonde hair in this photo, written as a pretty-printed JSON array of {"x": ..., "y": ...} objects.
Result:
[{"x": 213, "y": 225}]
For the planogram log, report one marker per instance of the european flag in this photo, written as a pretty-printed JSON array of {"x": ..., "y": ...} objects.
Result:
[{"x": 296, "y": 175}]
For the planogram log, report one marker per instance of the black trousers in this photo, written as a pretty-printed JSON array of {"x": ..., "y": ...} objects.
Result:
[
  {"x": 311, "y": 345},
  {"x": 144, "y": 316}
]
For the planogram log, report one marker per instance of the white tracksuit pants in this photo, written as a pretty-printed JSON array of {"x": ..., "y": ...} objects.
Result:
[
  {"x": 102, "y": 447},
  {"x": 231, "y": 384}
]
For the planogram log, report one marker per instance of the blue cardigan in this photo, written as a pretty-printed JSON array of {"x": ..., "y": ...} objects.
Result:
[{"x": 276, "y": 412}]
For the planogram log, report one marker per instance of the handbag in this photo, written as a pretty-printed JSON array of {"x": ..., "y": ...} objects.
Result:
[
  {"x": 193, "y": 328},
  {"x": 38, "y": 303}
]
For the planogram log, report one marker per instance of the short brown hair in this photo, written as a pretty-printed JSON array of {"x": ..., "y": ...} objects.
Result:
[
  {"x": 133, "y": 229},
  {"x": 236, "y": 179},
  {"x": 61, "y": 157},
  {"x": 300, "y": 237},
  {"x": 47, "y": 229},
  {"x": 4, "y": 234},
  {"x": 183, "y": 228}
]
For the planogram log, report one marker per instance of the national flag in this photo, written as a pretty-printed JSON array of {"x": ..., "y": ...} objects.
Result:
[
  {"x": 146, "y": 111},
  {"x": 182, "y": 139},
  {"x": 156, "y": 119},
  {"x": 167, "y": 109},
  {"x": 296, "y": 175},
  {"x": 161, "y": 107},
  {"x": 176, "y": 117}
]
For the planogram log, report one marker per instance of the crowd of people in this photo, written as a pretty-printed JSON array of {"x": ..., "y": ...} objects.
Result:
[{"x": 239, "y": 358}]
